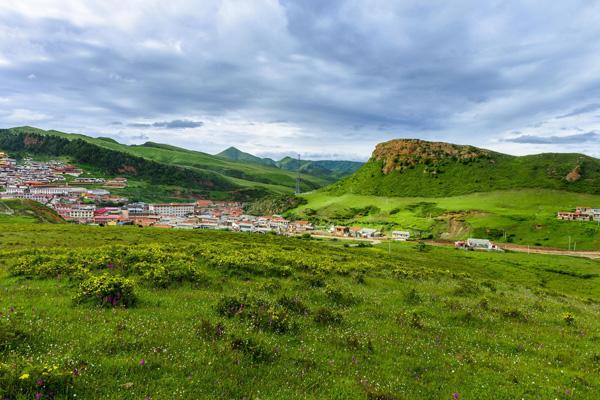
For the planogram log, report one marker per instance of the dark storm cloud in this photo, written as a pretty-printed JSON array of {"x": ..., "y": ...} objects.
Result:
[
  {"x": 569, "y": 139},
  {"x": 337, "y": 71}
]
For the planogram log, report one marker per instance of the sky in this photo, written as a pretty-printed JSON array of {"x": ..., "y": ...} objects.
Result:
[{"x": 326, "y": 79}]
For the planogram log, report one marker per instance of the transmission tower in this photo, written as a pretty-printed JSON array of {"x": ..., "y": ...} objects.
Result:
[{"x": 298, "y": 176}]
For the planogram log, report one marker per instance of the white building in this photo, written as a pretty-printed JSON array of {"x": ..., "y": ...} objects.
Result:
[
  {"x": 401, "y": 235},
  {"x": 173, "y": 209},
  {"x": 82, "y": 213}
]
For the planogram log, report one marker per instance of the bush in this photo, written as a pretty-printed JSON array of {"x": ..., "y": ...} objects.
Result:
[
  {"x": 326, "y": 316},
  {"x": 34, "y": 381},
  {"x": 467, "y": 288},
  {"x": 11, "y": 331},
  {"x": 413, "y": 297},
  {"x": 209, "y": 331},
  {"x": 293, "y": 304},
  {"x": 569, "y": 318},
  {"x": 230, "y": 306},
  {"x": 253, "y": 348},
  {"x": 339, "y": 296},
  {"x": 261, "y": 314},
  {"x": 107, "y": 290}
]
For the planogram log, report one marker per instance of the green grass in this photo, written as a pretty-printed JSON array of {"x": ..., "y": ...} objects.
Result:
[
  {"x": 527, "y": 216},
  {"x": 27, "y": 211},
  {"x": 415, "y": 323}
]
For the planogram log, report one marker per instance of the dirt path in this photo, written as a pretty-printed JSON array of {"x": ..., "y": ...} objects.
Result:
[{"x": 531, "y": 249}]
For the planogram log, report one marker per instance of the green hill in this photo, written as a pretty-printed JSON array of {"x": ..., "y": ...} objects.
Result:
[
  {"x": 329, "y": 170},
  {"x": 159, "y": 164},
  {"x": 234, "y": 154},
  {"x": 411, "y": 167},
  {"x": 27, "y": 211}
]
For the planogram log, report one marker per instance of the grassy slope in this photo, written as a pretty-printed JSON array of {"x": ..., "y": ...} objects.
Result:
[
  {"x": 27, "y": 211},
  {"x": 243, "y": 174},
  {"x": 529, "y": 214},
  {"x": 500, "y": 334},
  {"x": 501, "y": 172}
]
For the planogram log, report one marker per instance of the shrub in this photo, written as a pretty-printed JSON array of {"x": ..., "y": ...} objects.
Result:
[
  {"x": 569, "y": 318},
  {"x": 326, "y": 316},
  {"x": 340, "y": 296},
  {"x": 107, "y": 290},
  {"x": 411, "y": 319},
  {"x": 230, "y": 306},
  {"x": 11, "y": 331},
  {"x": 467, "y": 288},
  {"x": 28, "y": 381},
  {"x": 515, "y": 314},
  {"x": 293, "y": 304},
  {"x": 253, "y": 348},
  {"x": 209, "y": 331},
  {"x": 261, "y": 314},
  {"x": 413, "y": 297}
]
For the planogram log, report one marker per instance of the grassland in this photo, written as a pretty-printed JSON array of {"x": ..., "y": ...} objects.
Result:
[
  {"x": 526, "y": 216},
  {"x": 27, "y": 211},
  {"x": 224, "y": 315}
]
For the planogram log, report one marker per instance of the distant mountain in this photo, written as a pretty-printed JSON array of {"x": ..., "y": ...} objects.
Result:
[
  {"x": 178, "y": 172},
  {"x": 330, "y": 170},
  {"x": 234, "y": 154},
  {"x": 412, "y": 168}
]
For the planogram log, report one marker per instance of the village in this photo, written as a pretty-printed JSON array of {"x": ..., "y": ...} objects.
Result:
[{"x": 580, "y": 214}]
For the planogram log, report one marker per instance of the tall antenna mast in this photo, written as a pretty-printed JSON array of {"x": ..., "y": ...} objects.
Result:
[{"x": 298, "y": 177}]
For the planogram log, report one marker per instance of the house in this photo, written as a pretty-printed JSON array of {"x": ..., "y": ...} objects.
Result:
[
  {"x": 302, "y": 226},
  {"x": 400, "y": 235},
  {"x": 341, "y": 231},
  {"x": 368, "y": 233},
  {"x": 117, "y": 183}
]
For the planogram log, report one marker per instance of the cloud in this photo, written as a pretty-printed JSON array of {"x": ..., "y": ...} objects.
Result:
[
  {"x": 174, "y": 124},
  {"x": 578, "y": 138},
  {"x": 581, "y": 110},
  {"x": 331, "y": 77}
]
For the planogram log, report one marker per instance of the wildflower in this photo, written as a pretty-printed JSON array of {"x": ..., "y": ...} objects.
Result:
[
  {"x": 455, "y": 396},
  {"x": 76, "y": 372},
  {"x": 24, "y": 376},
  {"x": 142, "y": 362},
  {"x": 110, "y": 266},
  {"x": 12, "y": 309},
  {"x": 38, "y": 396},
  {"x": 39, "y": 382}
]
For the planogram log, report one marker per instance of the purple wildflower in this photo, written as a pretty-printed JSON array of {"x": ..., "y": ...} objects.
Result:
[
  {"x": 76, "y": 372},
  {"x": 40, "y": 382},
  {"x": 38, "y": 396},
  {"x": 12, "y": 308},
  {"x": 142, "y": 362},
  {"x": 455, "y": 396},
  {"x": 110, "y": 266}
]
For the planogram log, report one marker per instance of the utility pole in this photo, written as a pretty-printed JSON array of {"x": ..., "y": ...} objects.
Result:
[{"x": 298, "y": 177}]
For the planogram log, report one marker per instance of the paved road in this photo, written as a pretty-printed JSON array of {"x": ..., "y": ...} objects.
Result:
[{"x": 532, "y": 249}]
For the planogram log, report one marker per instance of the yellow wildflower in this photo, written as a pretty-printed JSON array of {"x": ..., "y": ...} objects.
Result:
[{"x": 24, "y": 376}]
